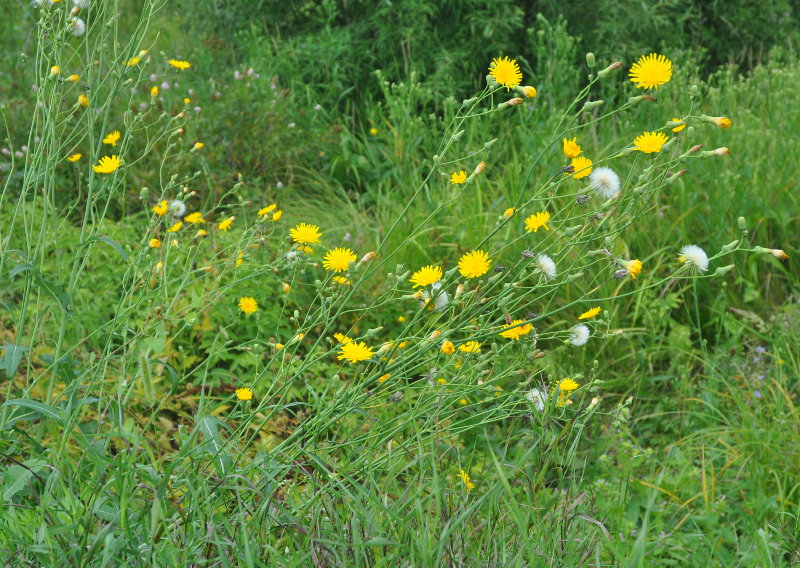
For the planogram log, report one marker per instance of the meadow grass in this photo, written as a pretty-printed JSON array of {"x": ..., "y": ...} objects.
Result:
[{"x": 126, "y": 442}]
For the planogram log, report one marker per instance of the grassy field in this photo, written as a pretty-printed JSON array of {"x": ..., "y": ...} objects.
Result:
[{"x": 191, "y": 376}]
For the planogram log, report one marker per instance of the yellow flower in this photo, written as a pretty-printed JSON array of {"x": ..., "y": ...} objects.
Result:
[
  {"x": 112, "y": 138},
  {"x": 248, "y": 305},
  {"x": 154, "y": 244},
  {"x": 83, "y": 100},
  {"x": 720, "y": 121},
  {"x": 72, "y": 78},
  {"x": 571, "y": 148},
  {"x": 187, "y": 101},
  {"x": 474, "y": 263},
  {"x": 338, "y": 259},
  {"x": 458, "y": 177},
  {"x": 506, "y": 72},
  {"x": 107, "y": 165},
  {"x": 634, "y": 267},
  {"x": 305, "y": 234},
  {"x": 342, "y": 280},
  {"x": 468, "y": 485},
  {"x": 651, "y": 71},
  {"x": 373, "y": 131},
  {"x": 341, "y": 337},
  {"x": 383, "y": 378},
  {"x": 426, "y": 276},
  {"x": 650, "y": 142},
  {"x": 154, "y": 91},
  {"x": 54, "y": 70},
  {"x": 239, "y": 258},
  {"x": 197, "y": 146},
  {"x": 470, "y": 347},
  {"x": 442, "y": 381},
  {"x": 355, "y": 351},
  {"x": 401, "y": 319},
  {"x": 176, "y": 227},
  {"x": 565, "y": 388},
  {"x": 74, "y": 157},
  {"x": 515, "y": 330},
  {"x": 286, "y": 288},
  {"x": 680, "y": 126},
  {"x": 161, "y": 208},
  {"x": 226, "y": 224},
  {"x": 582, "y": 167},
  {"x": 194, "y": 218},
  {"x": 244, "y": 393},
  {"x": 264, "y": 211},
  {"x": 589, "y": 314},
  {"x": 277, "y": 215},
  {"x": 537, "y": 221},
  {"x": 448, "y": 348},
  {"x": 529, "y": 91},
  {"x": 509, "y": 212},
  {"x": 132, "y": 61},
  {"x": 201, "y": 233},
  {"x": 178, "y": 64}
]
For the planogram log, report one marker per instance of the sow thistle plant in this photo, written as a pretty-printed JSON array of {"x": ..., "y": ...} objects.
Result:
[{"x": 485, "y": 318}]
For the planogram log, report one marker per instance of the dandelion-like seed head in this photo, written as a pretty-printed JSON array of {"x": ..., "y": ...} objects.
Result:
[
  {"x": 305, "y": 234},
  {"x": 538, "y": 398},
  {"x": 506, "y": 72},
  {"x": 605, "y": 182},
  {"x": 77, "y": 27},
  {"x": 474, "y": 264},
  {"x": 355, "y": 351},
  {"x": 177, "y": 208},
  {"x": 651, "y": 71},
  {"x": 426, "y": 276},
  {"x": 248, "y": 305},
  {"x": 547, "y": 266},
  {"x": 582, "y": 167},
  {"x": 536, "y": 221},
  {"x": 338, "y": 259},
  {"x": 694, "y": 256},
  {"x": 579, "y": 335},
  {"x": 650, "y": 142}
]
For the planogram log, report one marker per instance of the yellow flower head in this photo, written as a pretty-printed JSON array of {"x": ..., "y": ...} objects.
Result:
[
  {"x": 154, "y": 244},
  {"x": 565, "y": 388},
  {"x": 680, "y": 126},
  {"x": 468, "y": 485},
  {"x": 448, "y": 348},
  {"x": 426, "y": 276},
  {"x": 176, "y": 227},
  {"x": 506, "y": 72},
  {"x": 355, "y": 351},
  {"x": 651, "y": 71},
  {"x": 305, "y": 234},
  {"x": 161, "y": 208},
  {"x": 244, "y": 393},
  {"x": 194, "y": 218},
  {"x": 154, "y": 91},
  {"x": 458, "y": 177},
  {"x": 589, "y": 314},
  {"x": 571, "y": 148},
  {"x": 107, "y": 165},
  {"x": 338, "y": 259},
  {"x": 650, "y": 142},
  {"x": 226, "y": 224},
  {"x": 264, "y": 211},
  {"x": 634, "y": 267},
  {"x": 74, "y": 157},
  {"x": 197, "y": 146},
  {"x": 132, "y": 61},
  {"x": 277, "y": 215},
  {"x": 341, "y": 337},
  {"x": 508, "y": 213},
  {"x": 54, "y": 70},
  {"x": 201, "y": 233},
  {"x": 342, "y": 280},
  {"x": 373, "y": 131},
  {"x": 72, "y": 78},
  {"x": 83, "y": 100},
  {"x": 515, "y": 330},
  {"x": 537, "y": 221},
  {"x": 582, "y": 167},
  {"x": 178, "y": 64},
  {"x": 112, "y": 138},
  {"x": 470, "y": 347},
  {"x": 474, "y": 264},
  {"x": 248, "y": 305},
  {"x": 529, "y": 91}
]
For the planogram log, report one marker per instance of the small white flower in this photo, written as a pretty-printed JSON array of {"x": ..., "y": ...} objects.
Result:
[
  {"x": 695, "y": 256},
  {"x": 177, "y": 208},
  {"x": 441, "y": 299},
  {"x": 579, "y": 335},
  {"x": 538, "y": 399},
  {"x": 547, "y": 266},
  {"x": 78, "y": 27},
  {"x": 604, "y": 181}
]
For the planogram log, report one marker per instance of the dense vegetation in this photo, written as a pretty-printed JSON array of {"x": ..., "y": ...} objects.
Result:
[{"x": 125, "y": 437}]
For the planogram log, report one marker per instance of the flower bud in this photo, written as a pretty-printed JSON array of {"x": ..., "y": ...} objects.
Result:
[
  {"x": 459, "y": 290},
  {"x": 529, "y": 92},
  {"x": 479, "y": 169},
  {"x": 591, "y": 105},
  {"x": 513, "y": 102},
  {"x": 671, "y": 179},
  {"x": 730, "y": 246},
  {"x": 469, "y": 102},
  {"x": 636, "y": 100},
  {"x": 590, "y": 60},
  {"x": 457, "y": 135},
  {"x": 54, "y": 70},
  {"x": 613, "y": 67},
  {"x": 436, "y": 159},
  {"x": 491, "y": 81},
  {"x": 489, "y": 144},
  {"x": 719, "y": 121},
  {"x": 779, "y": 254},
  {"x": 508, "y": 212},
  {"x": 154, "y": 91},
  {"x": 695, "y": 148},
  {"x": 367, "y": 257},
  {"x": 723, "y": 270}
]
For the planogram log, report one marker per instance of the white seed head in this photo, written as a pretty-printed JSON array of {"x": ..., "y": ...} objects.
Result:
[
  {"x": 579, "y": 335},
  {"x": 547, "y": 266},
  {"x": 604, "y": 181},
  {"x": 78, "y": 27},
  {"x": 177, "y": 208},
  {"x": 695, "y": 256}
]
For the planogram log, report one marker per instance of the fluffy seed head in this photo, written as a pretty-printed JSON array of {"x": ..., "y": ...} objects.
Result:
[
  {"x": 694, "y": 256},
  {"x": 605, "y": 182}
]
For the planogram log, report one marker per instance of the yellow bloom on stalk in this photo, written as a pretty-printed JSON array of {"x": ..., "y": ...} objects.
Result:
[
  {"x": 341, "y": 337},
  {"x": 353, "y": 352},
  {"x": 226, "y": 224},
  {"x": 373, "y": 131},
  {"x": 112, "y": 138},
  {"x": 448, "y": 348},
  {"x": 107, "y": 165},
  {"x": 468, "y": 485},
  {"x": 537, "y": 221},
  {"x": 54, "y": 70},
  {"x": 305, "y": 234},
  {"x": 651, "y": 71},
  {"x": 176, "y": 227},
  {"x": 565, "y": 388},
  {"x": 514, "y": 330},
  {"x": 383, "y": 378},
  {"x": 426, "y": 276},
  {"x": 470, "y": 347},
  {"x": 83, "y": 100},
  {"x": 197, "y": 146},
  {"x": 239, "y": 258},
  {"x": 244, "y": 393},
  {"x": 201, "y": 233},
  {"x": 154, "y": 244},
  {"x": 154, "y": 91},
  {"x": 680, "y": 126},
  {"x": 474, "y": 264},
  {"x": 458, "y": 177},
  {"x": 508, "y": 213},
  {"x": 194, "y": 218},
  {"x": 74, "y": 157},
  {"x": 178, "y": 64},
  {"x": 342, "y": 280},
  {"x": 589, "y": 314},
  {"x": 277, "y": 215},
  {"x": 582, "y": 167},
  {"x": 571, "y": 148},
  {"x": 650, "y": 142},
  {"x": 132, "y": 61},
  {"x": 506, "y": 72},
  {"x": 264, "y": 211},
  {"x": 721, "y": 121},
  {"x": 161, "y": 208},
  {"x": 634, "y": 267},
  {"x": 73, "y": 78},
  {"x": 286, "y": 288},
  {"x": 338, "y": 259},
  {"x": 529, "y": 91},
  {"x": 248, "y": 305}
]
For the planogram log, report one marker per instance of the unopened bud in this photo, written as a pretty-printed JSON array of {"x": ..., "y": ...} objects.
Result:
[
  {"x": 144, "y": 194},
  {"x": 613, "y": 67},
  {"x": 459, "y": 290},
  {"x": 367, "y": 257},
  {"x": 719, "y": 121},
  {"x": 490, "y": 143},
  {"x": 619, "y": 274},
  {"x": 591, "y": 105},
  {"x": 723, "y": 270},
  {"x": 590, "y": 60},
  {"x": 636, "y": 100},
  {"x": 730, "y": 246},
  {"x": 671, "y": 179},
  {"x": 695, "y": 148},
  {"x": 513, "y": 102},
  {"x": 457, "y": 135},
  {"x": 491, "y": 81},
  {"x": 435, "y": 334},
  {"x": 529, "y": 92},
  {"x": 469, "y": 102},
  {"x": 54, "y": 70},
  {"x": 479, "y": 169},
  {"x": 779, "y": 254}
]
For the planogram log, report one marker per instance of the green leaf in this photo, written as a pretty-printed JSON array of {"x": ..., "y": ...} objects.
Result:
[
  {"x": 115, "y": 245},
  {"x": 12, "y": 358},
  {"x": 20, "y": 268},
  {"x": 209, "y": 427},
  {"x": 44, "y": 410}
]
